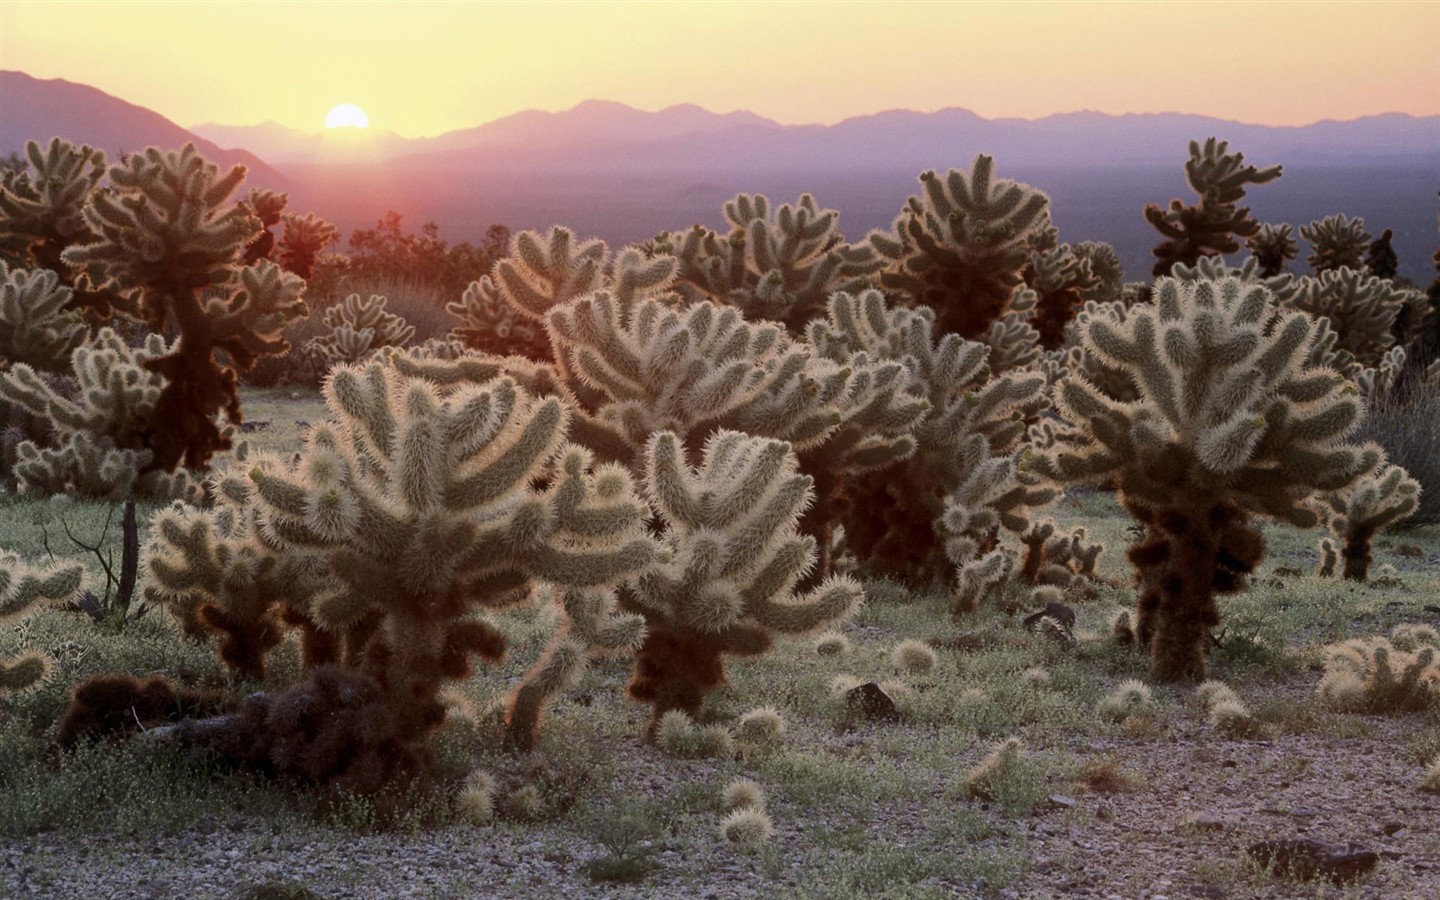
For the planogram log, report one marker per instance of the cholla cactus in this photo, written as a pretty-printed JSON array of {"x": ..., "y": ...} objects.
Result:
[
  {"x": 41, "y": 207},
  {"x": 1056, "y": 558},
  {"x": 99, "y": 448},
  {"x": 492, "y": 326},
  {"x": 1361, "y": 309},
  {"x": 36, "y": 327},
  {"x": 1380, "y": 258},
  {"x": 1105, "y": 266},
  {"x": 358, "y": 327},
  {"x": 1329, "y": 558},
  {"x": 302, "y": 240},
  {"x": 963, "y": 469},
  {"x": 732, "y": 556},
  {"x": 1210, "y": 228},
  {"x": 778, "y": 264},
  {"x": 690, "y": 371},
  {"x": 543, "y": 272},
  {"x": 410, "y": 513},
  {"x": 1230, "y": 423},
  {"x": 1336, "y": 242},
  {"x": 24, "y": 588},
  {"x": 992, "y": 775},
  {"x": 1371, "y": 675},
  {"x": 960, "y": 247},
  {"x": 1272, "y": 245},
  {"x": 267, "y": 207},
  {"x": 1376, "y": 501},
  {"x": 164, "y": 240},
  {"x": 1062, "y": 281}
]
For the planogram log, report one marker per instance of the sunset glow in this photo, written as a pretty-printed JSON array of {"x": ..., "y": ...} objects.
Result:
[{"x": 427, "y": 68}]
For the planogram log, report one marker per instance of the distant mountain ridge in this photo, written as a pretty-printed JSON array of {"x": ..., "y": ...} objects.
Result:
[
  {"x": 39, "y": 109},
  {"x": 608, "y": 170}
]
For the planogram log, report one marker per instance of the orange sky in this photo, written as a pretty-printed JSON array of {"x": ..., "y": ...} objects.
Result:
[{"x": 424, "y": 68}]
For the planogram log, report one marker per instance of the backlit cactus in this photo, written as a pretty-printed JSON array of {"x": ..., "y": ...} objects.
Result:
[
  {"x": 36, "y": 328},
  {"x": 1272, "y": 246},
  {"x": 23, "y": 590},
  {"x": 100, "y": 445},
  {"x": 1361, "y": 309},
  {"x": 1209, "y": 228},
  {"x": 1336, "y": 242},
  {"x": 731, "y": 557},
  {"x": 1230, "y": 423},
  {"x": 42, "y": 208},
  {"x": 1374, "y": 502},
  {"x": 966, "y": 443},
  {"x": 166, "y": 241},
  {"x": 411, "y": 513},
  {"x": 960, "y": 247},
  {"x": 780, "y": 264},
  {"x": 358, "y": 327}
]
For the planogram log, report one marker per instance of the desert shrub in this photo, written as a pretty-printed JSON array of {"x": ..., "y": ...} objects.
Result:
[
  {"x": 1372, "y": 675},
  {"x": 1130, "y": 698},
  {"x": 1406, "y": 422}
]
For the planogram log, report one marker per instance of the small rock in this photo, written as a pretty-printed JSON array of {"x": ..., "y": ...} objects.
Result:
[
  {"x": 1390, "y": 828},
  {"x": 1306, "y": 858},
  {"x": 1060, "y": 801},
  {"x": 870, "y": 701},
  {"x": 1057, "y": 611},
  {"x": 1301, "y": 812},
  {"x": 1204, "y": 821}
]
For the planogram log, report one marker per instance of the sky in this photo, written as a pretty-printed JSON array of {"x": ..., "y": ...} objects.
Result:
[{"x": 423, "y": 68}]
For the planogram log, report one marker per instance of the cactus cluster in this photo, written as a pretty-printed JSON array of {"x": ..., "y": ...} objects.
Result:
[
  {"x": 961, "y": 246},
  {"x": 37, "y": 327},
  {"x": 781, "y": 264},
  {"x": 731, "y": 557},
  {"x": 1272, "y": 246},
  {"x": 102, "y": 426},
  {"x": 411, "y": 513},
  {"x": 1337, "y": 242},
  {"x": 1373, "y": 502},
  {"x": 1374, "y": 675}
]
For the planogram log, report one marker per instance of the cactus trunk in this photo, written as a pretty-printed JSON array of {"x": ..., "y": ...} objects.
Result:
[
  {"x": 1357, "y": 552},
  {"x": 1183, "y": 562}
]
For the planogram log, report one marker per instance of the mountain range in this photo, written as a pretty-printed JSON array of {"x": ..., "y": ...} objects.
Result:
[{"x": 612, "y": 171}]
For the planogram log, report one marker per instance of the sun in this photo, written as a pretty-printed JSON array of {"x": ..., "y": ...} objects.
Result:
[{"x": 347, "y": 115}]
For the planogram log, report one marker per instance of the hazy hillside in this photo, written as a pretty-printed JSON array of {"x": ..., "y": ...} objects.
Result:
[
  {"x": 36, "y": 109},
  {"x": 623, "y": 174}
]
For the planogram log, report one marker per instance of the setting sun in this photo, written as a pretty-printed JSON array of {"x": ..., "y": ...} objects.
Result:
[{"x": 347, "y": 115}]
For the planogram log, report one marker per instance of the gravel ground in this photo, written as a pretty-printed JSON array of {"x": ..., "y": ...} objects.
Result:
[{"x": 1134, "y": 843}]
